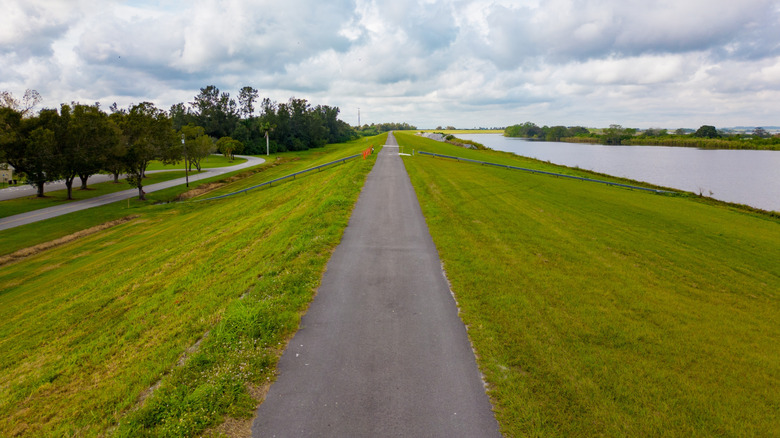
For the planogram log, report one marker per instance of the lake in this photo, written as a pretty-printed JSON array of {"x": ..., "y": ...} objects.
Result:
[{"x": 741, "y": 176}]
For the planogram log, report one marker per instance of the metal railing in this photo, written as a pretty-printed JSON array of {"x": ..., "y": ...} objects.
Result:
[
  {"x": 545, "y": 173},
  {"x": 292, "y": 175}
]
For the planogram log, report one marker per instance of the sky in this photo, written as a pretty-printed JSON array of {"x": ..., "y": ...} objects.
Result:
[{"x": 470, "y": 63}]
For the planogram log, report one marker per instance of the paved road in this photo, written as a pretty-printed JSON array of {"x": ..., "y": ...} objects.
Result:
[
  {"x": 22, "y": 190},
  {"x": 381, "y": 351},
  {"x": 46, "y": 213}
]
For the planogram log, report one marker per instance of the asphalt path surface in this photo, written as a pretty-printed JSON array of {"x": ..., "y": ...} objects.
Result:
[
  {"x": 70, "y": 207},
  {"x": 382, "y": 351}
]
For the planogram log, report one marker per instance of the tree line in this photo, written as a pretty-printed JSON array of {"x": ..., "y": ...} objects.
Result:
[
  {"x": 262, "y": 125},
  {"x": 375, "y": 129},
  {"x": 80, "y": 140},
  {"x": 547, "y": 133},
  {"x": 707, "y": 136}
]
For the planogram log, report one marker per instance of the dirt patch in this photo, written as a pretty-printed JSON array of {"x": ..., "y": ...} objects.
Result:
[
  {"x": 201, "y": 189},
  {"x": 31, "y": 251}
]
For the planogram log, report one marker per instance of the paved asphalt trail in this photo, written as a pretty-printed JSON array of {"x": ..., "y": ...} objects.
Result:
[
  {"x": 381, "y": 351},
  {"x": 70, "y": 207}
]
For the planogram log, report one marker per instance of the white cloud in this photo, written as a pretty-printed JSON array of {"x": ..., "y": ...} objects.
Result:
[{"x": 428, "y": 62}]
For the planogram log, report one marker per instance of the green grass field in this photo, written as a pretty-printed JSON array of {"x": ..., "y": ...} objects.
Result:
[
  {"x": 207, "y": 163},
  {"x": 59, "y": 197},
  {"x": 88, "y": 328},
  {"x": 602, "y": 311}
]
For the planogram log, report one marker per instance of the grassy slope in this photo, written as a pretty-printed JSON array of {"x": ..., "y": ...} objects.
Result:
[
  {"x": 87, "y": 327},
  {"x": 462, "y": 131},
  {"x": 50, "y": 229},
  {"x": 59, "y": 197},
  {"x": 597, "y": 310}
]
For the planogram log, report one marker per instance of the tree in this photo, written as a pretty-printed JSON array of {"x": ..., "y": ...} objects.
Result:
[
  {"x": 113, "y": 158},
  {"x": 67, "y": 152},
  {"x": 526, "y": 130},
  {"x": 706, "y": 131},
  {"x": 267, "y": 128},
  {"x": 615, "y": 134},
  {"x": 246, "y": 99},
  {"x": 655, "y": 132},
  {"x": 556, "y": 133},
  {"x": 197, "y": 144},
  {"x": 29, "y": 145},
  {"x": 574, "y": 131},
  {"x": 147, "y": 134},
  {"x": 181, "y": 115},
  {"x": 29, "y": 101},
  {"x": 227, "y": 146},
  {"x": 40, "y": 166},
  {"x": 216, "y": 112},
  {"x": 760, "y": 133},
  {"x": 203, "y": 147},
  {"x": 90, "y": 137}
]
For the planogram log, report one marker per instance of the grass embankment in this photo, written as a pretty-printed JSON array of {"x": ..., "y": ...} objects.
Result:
[
  {"x": 601, "y": 311},
  {"x": 707, "y": 143},
  {"x": 60, "y": 197},
  {"x": 209, "y": 162},
  {"x": 462, "y": 131},
  {"x": 687, "y": 141},
  {"x": 88, "y": 329}
]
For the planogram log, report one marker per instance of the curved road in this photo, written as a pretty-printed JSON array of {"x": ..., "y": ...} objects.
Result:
[
  {"x": 22, "y": 190},
  {"x": 46, "y": 213},
  {"x": 381, "y": 351}
]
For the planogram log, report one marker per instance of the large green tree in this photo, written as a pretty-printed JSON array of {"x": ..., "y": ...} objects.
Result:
[
  {"x": 147, "y": 134},
  {"x": 526, "y": 130},
  {"x": 706, "y": 131},
  {"x": 216, "y": 112},
  {"x": 247, "y": 97},
  {"x": 615, "y": 134},
  {"x": 30, "y": 145},
  {"x": 91, "y": 137}
]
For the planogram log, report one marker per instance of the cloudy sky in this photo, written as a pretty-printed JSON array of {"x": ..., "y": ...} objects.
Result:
[{"x": 470, "y": 63}]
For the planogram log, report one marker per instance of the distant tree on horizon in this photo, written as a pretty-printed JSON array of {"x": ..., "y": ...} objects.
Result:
[{"x": 706, "y": 131}]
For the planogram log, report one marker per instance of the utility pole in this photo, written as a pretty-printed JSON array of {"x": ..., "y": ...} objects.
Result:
[
  {"x": 186, "y": 162},
  {"x": 359, "y": 118}
]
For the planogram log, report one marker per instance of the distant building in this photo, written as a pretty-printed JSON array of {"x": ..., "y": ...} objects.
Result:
[{"x": 6, "y": 173}]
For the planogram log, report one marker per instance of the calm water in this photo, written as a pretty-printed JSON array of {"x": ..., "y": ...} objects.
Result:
[{"x": 745, "y": 177}]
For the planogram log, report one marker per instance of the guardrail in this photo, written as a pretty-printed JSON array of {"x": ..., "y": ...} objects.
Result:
[
  {"x": 292, "y": 175},
  {"x": 545, "y": 173}
]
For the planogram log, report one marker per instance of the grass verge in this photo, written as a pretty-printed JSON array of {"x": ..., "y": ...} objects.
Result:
[
  {"x": 601, "y": 311},
  {"x": 169, "y": 323}
]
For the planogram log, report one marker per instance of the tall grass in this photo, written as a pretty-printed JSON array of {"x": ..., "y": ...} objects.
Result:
[{"x": 705, "y": 143}]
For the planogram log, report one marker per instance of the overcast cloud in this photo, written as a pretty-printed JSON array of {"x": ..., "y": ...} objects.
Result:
[{"x": 639, "y": 63}]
